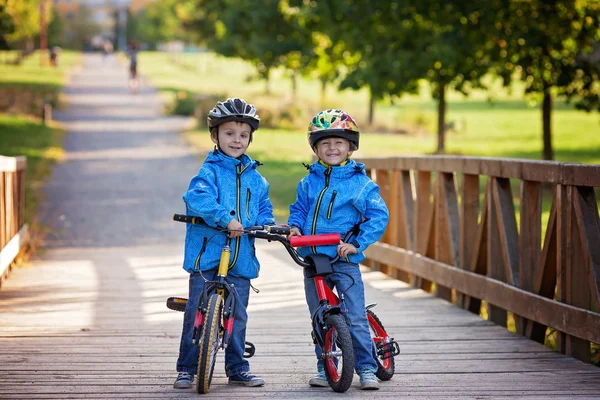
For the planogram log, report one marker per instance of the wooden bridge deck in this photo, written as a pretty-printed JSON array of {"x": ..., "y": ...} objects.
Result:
[
  {"x": 92, "y": 324},
  {"x": 88, "y": 318}
]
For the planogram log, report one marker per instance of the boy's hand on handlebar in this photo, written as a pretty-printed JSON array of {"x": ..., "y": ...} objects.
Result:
[
  {"x": 345, "y": 249},
  {"x": 235, "y": 228},
  {"x": 295, "y": 232}
]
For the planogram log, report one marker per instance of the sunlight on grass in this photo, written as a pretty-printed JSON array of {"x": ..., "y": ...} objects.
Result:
[{"x": 30, "y": 73}]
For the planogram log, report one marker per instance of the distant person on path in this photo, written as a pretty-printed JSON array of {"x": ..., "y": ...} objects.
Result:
[
  {"x": 107, "y": 49},
  {"x": 228, "y": 192},
  {"x": 133, "y": 66},
  {"x": 338, "y": 197}
]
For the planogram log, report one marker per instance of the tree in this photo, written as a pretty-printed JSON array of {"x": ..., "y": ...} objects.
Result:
[
  {"x": 256, "y": 31},
  {"x": 552, "y": 45},
  {"x": 453, "y": 43},
  {"x": 7, "y": 27},
  {"x": 159, "y": 22},
  {"x": 364, "y": 39},
  {"x": 25, "y": 15},
  {"x": 56, "y": 30}
]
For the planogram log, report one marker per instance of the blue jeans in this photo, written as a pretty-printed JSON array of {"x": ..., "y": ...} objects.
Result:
[
  {"x": 188, "y": 352},
  {"x": 354, "y": 311}
]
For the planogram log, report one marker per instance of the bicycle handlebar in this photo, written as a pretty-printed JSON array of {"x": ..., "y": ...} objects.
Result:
[{"x": 272, "y": 232}]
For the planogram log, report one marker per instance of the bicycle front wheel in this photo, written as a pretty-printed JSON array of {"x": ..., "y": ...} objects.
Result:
[
  {"x": 338, "y": 354},
  {"x": 212, "y": 332},
  {"x": 385, "y": 362}
]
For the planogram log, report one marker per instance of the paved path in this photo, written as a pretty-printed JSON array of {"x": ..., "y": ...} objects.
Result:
[{"x": 87, "y": 319}]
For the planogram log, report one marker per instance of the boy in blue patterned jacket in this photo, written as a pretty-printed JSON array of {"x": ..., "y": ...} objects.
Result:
[
  {"x": 334, "y": 197},
  {"x": 227, "y": 192}
]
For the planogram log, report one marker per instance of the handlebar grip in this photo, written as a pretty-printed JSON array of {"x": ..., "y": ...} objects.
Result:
[
  {"x": 278, "y": 230},
  {"x": 188, "y": 219},
  {"x": 315, "y": 240}
]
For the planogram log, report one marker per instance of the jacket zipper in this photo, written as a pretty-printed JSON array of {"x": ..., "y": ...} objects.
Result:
[
  {"x": 331, "y": 204},
  {"x": 248, "y": 195},
  {"x": 318, "y": 207},
  {"x": 238, "y": 188}
]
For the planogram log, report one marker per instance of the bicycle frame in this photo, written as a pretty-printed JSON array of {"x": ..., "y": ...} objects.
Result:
[{"x": 223, "y": 288}]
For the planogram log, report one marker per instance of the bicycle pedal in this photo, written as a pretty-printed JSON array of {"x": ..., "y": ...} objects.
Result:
[
  {"x": 176, "y": 303},
  {"x": 249, "y": 350},
  {"x": 388, "y": 350}
]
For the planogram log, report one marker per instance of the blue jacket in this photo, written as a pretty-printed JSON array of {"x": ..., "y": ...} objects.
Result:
[
  {"x": 333, "y": 200},
  {"x": 225, "y": 188}
]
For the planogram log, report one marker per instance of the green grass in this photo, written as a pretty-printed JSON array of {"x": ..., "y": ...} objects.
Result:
[
  {"x": 31, "y": 74},
  {"x": 495, "y": 123},
  {"x": 24, "y": 136}
]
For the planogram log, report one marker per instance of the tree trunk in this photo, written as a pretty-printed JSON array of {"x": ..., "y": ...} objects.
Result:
[
  {"x": 547, "y": 125},
  {"x": 43, "y": 35},
  {"x": 267, "y": 83},
  {"x": 371, "y": 109},
  {"x": 294, "y": 86},
  {"x": 441, "y": 147},
  {"x": 323, "y": 93}
]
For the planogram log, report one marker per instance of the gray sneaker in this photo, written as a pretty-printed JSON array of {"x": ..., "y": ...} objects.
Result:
[
  {"x": 368, "y": 381},
  {"x": 320, "y": 380},
  {"x": 184, "y": 381}
]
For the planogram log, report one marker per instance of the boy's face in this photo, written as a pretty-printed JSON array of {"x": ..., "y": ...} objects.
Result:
[
  {"x": 333, "y": 150},
  {"x": 233, "y": 138}
]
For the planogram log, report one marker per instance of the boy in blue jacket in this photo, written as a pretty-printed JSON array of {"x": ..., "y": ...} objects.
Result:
[
  {"x": 230, "y": 193},
  {"x": 334, "y": 197}
]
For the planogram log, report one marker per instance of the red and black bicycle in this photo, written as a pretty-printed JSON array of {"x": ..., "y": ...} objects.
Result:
[{"x": 214, "y": 323}]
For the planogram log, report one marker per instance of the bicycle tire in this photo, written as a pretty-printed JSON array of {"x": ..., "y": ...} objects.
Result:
[
  {"x": 385, "y": 367},
  {"x": 338, "y": 340},
  {"x": 212, "y": 331}
]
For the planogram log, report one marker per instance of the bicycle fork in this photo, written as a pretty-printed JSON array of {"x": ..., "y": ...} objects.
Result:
[
  {"x": 329, "y": 304},
  {"x": 223, "y": 289}
]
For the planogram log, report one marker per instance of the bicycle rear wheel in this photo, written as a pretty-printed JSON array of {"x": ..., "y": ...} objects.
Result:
[
  {"x": 338, "y": 354},
  {"x": 385, "y": 362},
  {"x": 212, "y": 333}
]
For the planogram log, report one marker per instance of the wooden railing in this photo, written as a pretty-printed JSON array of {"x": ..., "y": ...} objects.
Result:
[
  {"x": 453, "y": 222},
  {"x": 13, "y": 230}
]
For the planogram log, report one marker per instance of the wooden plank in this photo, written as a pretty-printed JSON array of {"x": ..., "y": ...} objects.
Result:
[
  {"x": 588, "y": 224},
  {"x": 507, "y": 229},
  {"x": 562, "y": 250},
  {"x": 544, "y": 281},
  {"x": 577, "y": 295},
  {"x": 529, "y": 242},
  {"x": 446, "y": 232},
  {"x": 531, "y": 170},
  {"x": 574, "y": 321},
  {"x": 11, "y": 250},
  {"x": 424, "y": 220},
  {"x": 468, "y": 226},
  {"x": 12, "y": 164},
  {"x": 405, "y": 186},
  {"x": 495, "y": 254},
  {"x": 3, "y": 235}
]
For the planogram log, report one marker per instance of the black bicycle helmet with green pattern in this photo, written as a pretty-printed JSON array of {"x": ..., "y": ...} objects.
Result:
[
  {"x": 333, "y": 123},
  {"x": 233, "y": 109}
]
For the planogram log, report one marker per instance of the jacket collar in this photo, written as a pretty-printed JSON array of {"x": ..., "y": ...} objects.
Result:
[
  {"x": 341, "y": 171},
  {"x": 218, "y": 157}
]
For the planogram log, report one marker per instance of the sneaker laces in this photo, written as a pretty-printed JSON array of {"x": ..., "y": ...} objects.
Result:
[
  {"x": 184, "y": 376},
  {"x": 367, "y": 376},
  {"x": 247, "y": 375}
]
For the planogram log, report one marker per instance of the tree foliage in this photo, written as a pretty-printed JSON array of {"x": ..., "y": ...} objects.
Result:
[
  {"x": 552, "y": 45},
  {"x": 25, "y": 15},
  {"x": 388, "y": 47},
  {"x": 159, "y": 22}
]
